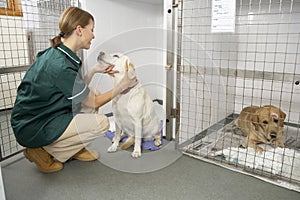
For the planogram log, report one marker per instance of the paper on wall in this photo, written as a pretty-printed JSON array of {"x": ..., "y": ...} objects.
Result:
[{"x": 223, "y": 16}]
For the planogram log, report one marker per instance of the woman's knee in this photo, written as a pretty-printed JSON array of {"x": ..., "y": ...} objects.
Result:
[{"x": 103, "y": 122}]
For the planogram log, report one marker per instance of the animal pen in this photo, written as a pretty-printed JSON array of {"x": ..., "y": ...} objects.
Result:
[
  {"x": 233, "y": 56},
  {"x": 228, "y": 55}
]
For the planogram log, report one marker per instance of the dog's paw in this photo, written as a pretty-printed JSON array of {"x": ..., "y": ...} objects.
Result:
[
  {"x": 112, "y": 148},
  {"x": 136, "y": 154},
  {"x": 115, "y": 139},
  {"x": 279, "y": 144},
  {"x": 259, "y": 149},
  {"x": 157, "y": 142}
]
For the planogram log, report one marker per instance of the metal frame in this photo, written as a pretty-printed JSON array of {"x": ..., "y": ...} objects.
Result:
[{"x": 172, "y": 106}]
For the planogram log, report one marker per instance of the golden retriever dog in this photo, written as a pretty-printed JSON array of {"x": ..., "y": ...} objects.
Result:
[
  {"x": 133, "y": 109},
  {"x": 261, "y": 125}
]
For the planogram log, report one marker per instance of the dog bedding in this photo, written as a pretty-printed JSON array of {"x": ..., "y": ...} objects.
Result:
[
  {"x": 278, "y": 161},
  {"x": 225, "y": 144}
]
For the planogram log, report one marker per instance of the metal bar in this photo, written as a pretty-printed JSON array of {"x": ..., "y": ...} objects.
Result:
[
  {"x": 14, "y": 69},
  {"x": 170, "y": 78}
]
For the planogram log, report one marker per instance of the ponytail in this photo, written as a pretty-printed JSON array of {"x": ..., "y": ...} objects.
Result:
[{"x": 56, "y": 41}]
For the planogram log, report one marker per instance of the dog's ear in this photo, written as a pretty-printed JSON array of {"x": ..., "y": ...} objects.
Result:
[
  {"x": 282, "y": 117},
  {"x": 282, "y": 114},
  {"x": 255, "y": 120},
  {"x": 129, "y": 64}
]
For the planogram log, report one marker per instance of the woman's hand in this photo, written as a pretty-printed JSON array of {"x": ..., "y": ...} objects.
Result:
[
  {"x": 98, "y": 68},
  {"x": 126, "y": 82}
]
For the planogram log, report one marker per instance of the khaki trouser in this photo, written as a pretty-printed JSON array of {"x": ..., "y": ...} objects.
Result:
[{"x": 83, "y": 129}]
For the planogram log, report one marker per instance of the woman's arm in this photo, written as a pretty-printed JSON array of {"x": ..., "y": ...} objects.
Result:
[{"x": 96, "y": 101}]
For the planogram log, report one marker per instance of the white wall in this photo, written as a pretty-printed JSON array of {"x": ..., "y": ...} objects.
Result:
[{"x": 134, "y": 28}]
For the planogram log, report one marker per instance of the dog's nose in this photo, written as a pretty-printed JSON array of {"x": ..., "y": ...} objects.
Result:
[{"x": 273, "y": 134}]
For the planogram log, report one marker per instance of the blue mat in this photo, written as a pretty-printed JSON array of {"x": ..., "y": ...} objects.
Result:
[{"x": 148, "y": 145}]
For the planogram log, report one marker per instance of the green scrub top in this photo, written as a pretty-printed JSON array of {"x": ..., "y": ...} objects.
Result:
[{"x": 48, "y": 97}]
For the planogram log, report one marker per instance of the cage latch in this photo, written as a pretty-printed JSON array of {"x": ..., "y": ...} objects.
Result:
[{"x": 175, "y": 4}]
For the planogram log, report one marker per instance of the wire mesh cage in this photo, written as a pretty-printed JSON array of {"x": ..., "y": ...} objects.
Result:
[
  {"x": 26, "y": 27},
  {"x": 248, "y": 57}
]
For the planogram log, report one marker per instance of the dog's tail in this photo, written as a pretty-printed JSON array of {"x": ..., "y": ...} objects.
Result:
[{"x": 128, "y": 143}]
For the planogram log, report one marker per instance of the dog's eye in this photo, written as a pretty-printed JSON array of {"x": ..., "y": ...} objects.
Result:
[
  {"x": 265, "y": 122},
  {"x": 276, "y": 121}
]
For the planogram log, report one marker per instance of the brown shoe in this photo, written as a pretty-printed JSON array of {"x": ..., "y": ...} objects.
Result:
[
  {"x": 43, "y": 160},
  {"x": 85, "y": 155}
]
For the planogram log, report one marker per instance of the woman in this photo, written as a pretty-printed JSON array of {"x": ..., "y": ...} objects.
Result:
[{"x": 46, "y": 117}]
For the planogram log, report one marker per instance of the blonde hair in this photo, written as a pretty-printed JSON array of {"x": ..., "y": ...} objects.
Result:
[{"x": 69, "y": 20}]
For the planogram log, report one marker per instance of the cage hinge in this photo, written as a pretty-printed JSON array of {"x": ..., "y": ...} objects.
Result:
[
  {"x": 168, "y": 67},
  {"x": 174, "y": 113}
]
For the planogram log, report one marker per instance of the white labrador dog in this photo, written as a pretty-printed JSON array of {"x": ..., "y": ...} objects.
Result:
[{"x": 133, "y": 109}]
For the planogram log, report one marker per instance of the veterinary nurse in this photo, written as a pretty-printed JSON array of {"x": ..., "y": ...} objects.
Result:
[{"x": 46, "y": 118}]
